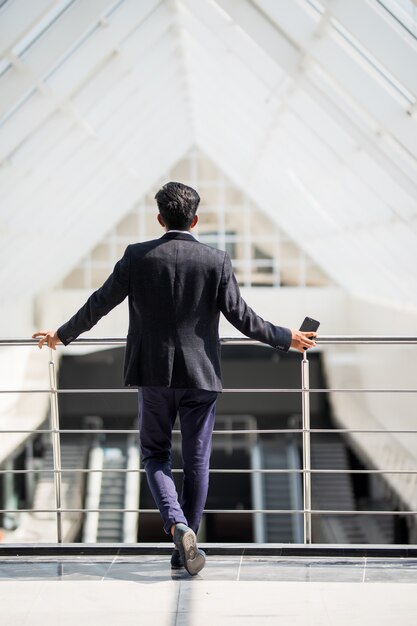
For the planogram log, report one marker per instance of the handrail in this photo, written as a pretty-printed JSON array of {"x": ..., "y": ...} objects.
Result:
[
  {"x": 236, "y": 511},
  {"x": 242, "y": 470},
  {"x": 321, "y": 339},
  {"x": 234, "y": 390},
  {"x": 306, "y": 430},
  {"x": 257, "y": 431}
]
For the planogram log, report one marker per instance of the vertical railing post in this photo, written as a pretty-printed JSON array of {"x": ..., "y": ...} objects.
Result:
[
  {"x": 56, "y": 443},
  {"x": 305, "y": 385}
]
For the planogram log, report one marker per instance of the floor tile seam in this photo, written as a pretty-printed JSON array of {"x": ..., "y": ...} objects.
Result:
[
  {"x": 178, "y": 604},
  {"x": 109, "y": 568},
  {"x": 240, "y": 565}
]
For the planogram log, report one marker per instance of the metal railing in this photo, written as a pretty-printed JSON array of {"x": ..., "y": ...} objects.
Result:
[{"x": 306, "y": 431}]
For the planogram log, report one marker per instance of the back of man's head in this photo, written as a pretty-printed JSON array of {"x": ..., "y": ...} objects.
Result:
[{"x": 177, "y": 204}]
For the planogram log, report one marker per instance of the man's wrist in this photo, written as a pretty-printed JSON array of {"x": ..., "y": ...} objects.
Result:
[{"x": 62, "y": 337}]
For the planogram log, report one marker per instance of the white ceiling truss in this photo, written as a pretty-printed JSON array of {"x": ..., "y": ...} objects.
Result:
[{"x": 309, "y": 105}]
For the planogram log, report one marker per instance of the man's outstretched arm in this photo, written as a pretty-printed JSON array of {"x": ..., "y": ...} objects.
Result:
[
  {"x": 103, "y": 300},
  {"x": 242, "y": 317}
]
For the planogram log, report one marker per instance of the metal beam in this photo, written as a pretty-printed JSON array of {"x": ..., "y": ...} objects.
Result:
[{"x": 266, "y": 35}]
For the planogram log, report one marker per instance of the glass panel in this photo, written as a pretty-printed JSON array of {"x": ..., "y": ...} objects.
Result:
[
  {"x": 75, "y": 280},
  {"x": 99, "y": 274},
  {"x": 128, "y": 226},
  {"x": 260, "y": 252},
  {"x": 210, "y": 196},
  {"x": 315, "y": 277},
  {"x": 206, "y": 170},
  {"x": 101, "y": 252},
  {"x": 152, "y": 227},
  {"x": 289, "y": 251},
  {"x": 119, "y": 250},
  {"x": 229, "y": 221},
  {"x": 233, "y": 196},
  {"x": 40, "y": 27},
  {"x": 404, "y": 11},
  {"x": 290, "y": 275},
  {"x": 208, "y": 221},
  {"x": 352, "y": 41},
  {"x": 181, "y": 171}
]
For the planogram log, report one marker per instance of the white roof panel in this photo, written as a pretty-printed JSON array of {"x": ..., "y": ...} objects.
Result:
[{"x": 311, "y": 110}]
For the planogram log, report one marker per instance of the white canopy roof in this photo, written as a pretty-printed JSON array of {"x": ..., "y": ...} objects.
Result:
[{"x": 309, "y": 105}]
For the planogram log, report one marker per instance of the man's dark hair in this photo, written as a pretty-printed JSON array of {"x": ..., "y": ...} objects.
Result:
[{"x": 177, "y": 204}]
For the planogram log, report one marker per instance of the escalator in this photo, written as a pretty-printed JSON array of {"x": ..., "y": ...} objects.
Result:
[
  {"x": 42, "y": 525},
  {"x": 330, "y": 491},
  {"x": 112, "y": 494},
  {"x": 335, "y": 491},
  {"x": 110, "y": 487},
  {"x": 277, "y": 491},
  {"x": 281, "y": 492}
]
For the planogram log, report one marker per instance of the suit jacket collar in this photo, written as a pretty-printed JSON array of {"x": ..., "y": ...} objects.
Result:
[{"x": 175, "y": 235}]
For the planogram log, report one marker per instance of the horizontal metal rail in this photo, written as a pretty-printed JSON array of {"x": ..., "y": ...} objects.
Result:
[
  {"x": 248, "y": 431},
  {"x": 234, "y": 390},
  {"x": 306, "y": 431},
  {"x": 320, "y": 340},
  {"x": 213, "y": 471},
  {"x": 215, "y": 511}
]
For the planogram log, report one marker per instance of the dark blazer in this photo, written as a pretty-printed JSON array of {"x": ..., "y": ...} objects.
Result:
[{"x": 177, "y": 288}]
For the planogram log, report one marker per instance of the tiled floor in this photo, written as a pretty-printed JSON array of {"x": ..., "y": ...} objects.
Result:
[{"x": 231, "y": 590}]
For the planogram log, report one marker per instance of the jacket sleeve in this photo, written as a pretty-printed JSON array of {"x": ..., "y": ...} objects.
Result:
[
  {"x": 242, "y": 317},
  {"x": 109, "y": 295}
]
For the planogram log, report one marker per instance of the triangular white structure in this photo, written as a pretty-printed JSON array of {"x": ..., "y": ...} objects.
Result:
[
  {"x": 310, "y": 109},
  {"x": 261, "y": 254}
]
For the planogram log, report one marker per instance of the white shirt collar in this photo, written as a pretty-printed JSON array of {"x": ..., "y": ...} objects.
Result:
[{"x": 184, "y": 232}]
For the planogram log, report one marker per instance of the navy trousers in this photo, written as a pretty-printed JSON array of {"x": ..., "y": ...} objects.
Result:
[{"x": 158, "y": 409}]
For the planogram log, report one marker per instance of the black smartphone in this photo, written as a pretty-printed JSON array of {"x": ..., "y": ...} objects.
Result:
[{"x": 309, "y": 325}]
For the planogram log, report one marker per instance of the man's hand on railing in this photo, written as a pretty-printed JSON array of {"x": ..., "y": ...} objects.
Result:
[
  {"x": 302, "y": 340},
  {"x": 49, "y": 337}
]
